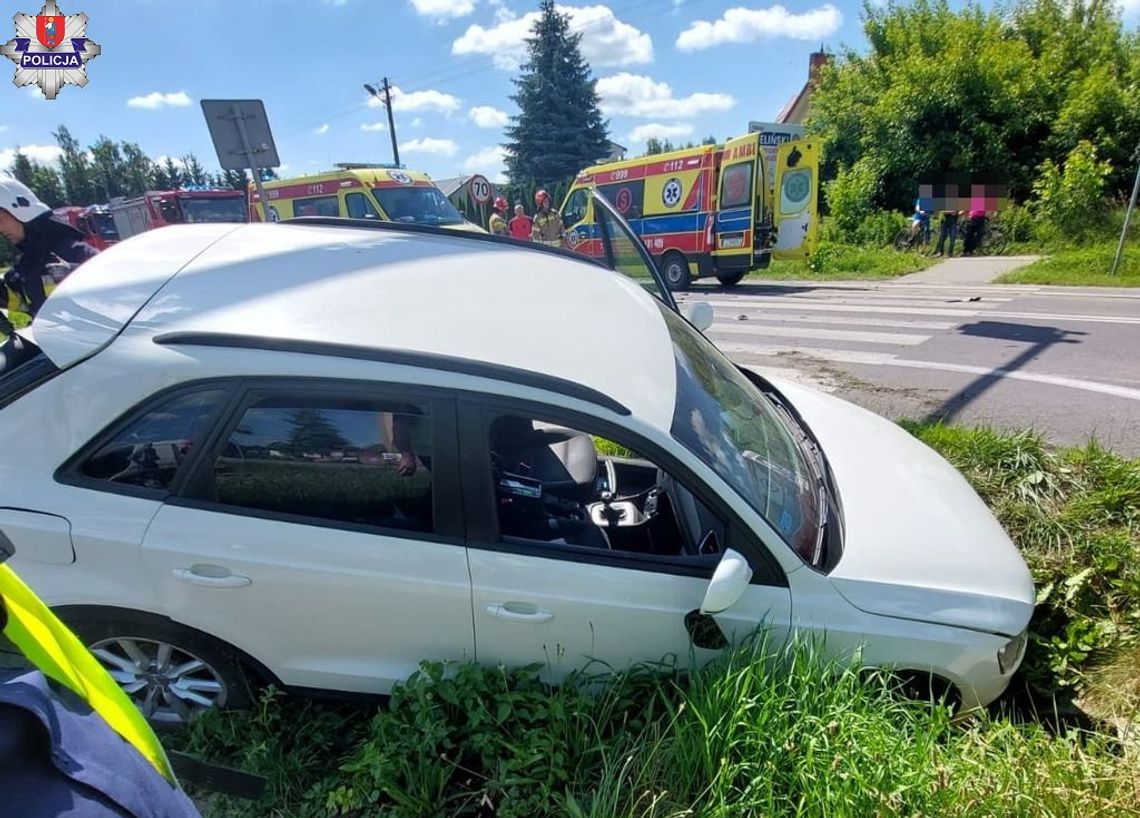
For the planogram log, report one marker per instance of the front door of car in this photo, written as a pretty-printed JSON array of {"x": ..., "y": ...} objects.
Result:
[
  {"x": 320, "y": 535},
  {"x": 593, "y": 593}
]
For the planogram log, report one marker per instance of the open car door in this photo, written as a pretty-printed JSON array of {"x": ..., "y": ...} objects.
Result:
[
  {"x": 796, "y": 199},
  {"x": 603, "y": 235},
  {"x": 739, "y": 197}
]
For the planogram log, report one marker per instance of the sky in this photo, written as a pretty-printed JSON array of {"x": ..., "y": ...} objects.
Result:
[{"x": 678, "y": 69}]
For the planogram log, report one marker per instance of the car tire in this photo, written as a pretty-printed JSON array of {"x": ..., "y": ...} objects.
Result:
[
  {"x": 731, "y": 280},
  {"x": 675, "y": 270},
  {"x": 172, "y": 672}
]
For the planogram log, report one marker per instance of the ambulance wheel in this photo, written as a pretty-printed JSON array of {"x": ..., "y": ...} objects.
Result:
[
  {"x": 171, "y": 672},
  {"x": 676, "y": 271},
  {"x": 730, "y": 281}
]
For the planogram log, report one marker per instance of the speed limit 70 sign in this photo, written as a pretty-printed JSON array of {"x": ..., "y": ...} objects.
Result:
[{"x": 480, "y": 189}]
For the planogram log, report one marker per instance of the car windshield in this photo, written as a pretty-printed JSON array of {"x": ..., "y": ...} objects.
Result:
[
  {"x": 200, "y": 211},
  {"x": 417, "y": 205},
  {"x": 734, "y": 429},
  {"x": 105, "y": 224}
]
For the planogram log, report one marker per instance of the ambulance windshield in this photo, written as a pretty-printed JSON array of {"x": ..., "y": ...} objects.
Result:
[{"x": 417, "y": 205}]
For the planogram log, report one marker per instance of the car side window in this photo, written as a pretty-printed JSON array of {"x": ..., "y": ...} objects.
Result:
[
  {"x": 149, "y": 450},
  {"x": 359, "y": 207},
  {"x": 565, "y": 486},
  {"x": 343, "y": 459}
]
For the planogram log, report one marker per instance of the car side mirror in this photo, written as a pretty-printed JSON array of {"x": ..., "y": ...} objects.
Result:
[
  {"x": 728, "y": 583},
  {"x": 700, "y": 315}
]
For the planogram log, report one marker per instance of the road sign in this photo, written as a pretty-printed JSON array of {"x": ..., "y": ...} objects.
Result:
[
  {"x": 242, "y": 137},
  {"x": 772, "y": 135},
  {"x": 480, "y": 190}
]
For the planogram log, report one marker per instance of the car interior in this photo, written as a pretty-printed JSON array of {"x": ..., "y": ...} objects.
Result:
[{"x": 553, "y": 485}]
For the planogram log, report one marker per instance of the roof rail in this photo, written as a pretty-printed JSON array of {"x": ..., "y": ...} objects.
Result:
[{"x": 401, "y": 357}]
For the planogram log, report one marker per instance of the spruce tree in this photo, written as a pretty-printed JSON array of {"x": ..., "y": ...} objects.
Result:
[{"x": 559, "y": 128}]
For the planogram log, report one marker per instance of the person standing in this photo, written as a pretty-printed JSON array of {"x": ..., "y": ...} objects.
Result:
[
  {"x": 39, "y": 237},
  {"x": 547, "y": 225},
  {"x": 948, "y": 229},
  {"x": 975, "y": 227},
  {"x": 521, "y": 225},
  {"x": 497, "y": 224}
]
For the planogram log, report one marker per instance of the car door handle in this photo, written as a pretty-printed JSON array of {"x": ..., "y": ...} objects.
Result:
[
  {"x": 519, "y": 612},
  {"x": 210, "y": 576}
]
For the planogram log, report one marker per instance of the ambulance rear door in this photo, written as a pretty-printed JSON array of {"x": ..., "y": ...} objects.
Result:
[
  {"x": 796, "y": 199},
  {"x": 735, "y": 222}
]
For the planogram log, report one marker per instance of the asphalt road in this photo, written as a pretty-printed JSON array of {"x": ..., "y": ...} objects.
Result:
[{"x": 1064, "y": 361}]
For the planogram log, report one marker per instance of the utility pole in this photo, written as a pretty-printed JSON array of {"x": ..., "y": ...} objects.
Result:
[
  {"x": 1127, "y": 215},
  {"x": 386, "y": 101}
]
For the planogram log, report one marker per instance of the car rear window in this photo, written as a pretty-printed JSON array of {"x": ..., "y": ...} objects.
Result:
[{"x": 23, "y": 367}]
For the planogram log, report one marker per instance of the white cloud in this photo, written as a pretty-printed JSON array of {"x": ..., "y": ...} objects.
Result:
[
  {"x": 374, "y": 126},
  {"x": 1128, "y": 7},
  {"x": 485, "y": 116},
  {"x": 636, "y": 95},
  {"x": 3, "y": 128},
  {"x": 606, "y": 40},
  {"x": 324, "y": 129},
  {"x": 442, "y": 147},
  {"x": 418, "y": 122},
  {"x": 443, "y": 9},
  {"x": 655, "y": 130},
  {"x": 178, "y": 99},
  {"x": 44, "y": 154},
  {"x": 429, "y": 100},
  {"x": 336, "y": 2},
  {"x": 741, "y": 25},
  {"x": 491, "y": 162}
]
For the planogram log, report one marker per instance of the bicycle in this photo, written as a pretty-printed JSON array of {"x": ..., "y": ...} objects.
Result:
[
  {"x": 910, "y": 238},
  {"x": 994, "y": 241}
]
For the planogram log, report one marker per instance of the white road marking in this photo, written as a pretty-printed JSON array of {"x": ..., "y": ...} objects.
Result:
[
  {"x": 835, "y": 320},
  {"x": 887, "y": 359},
  {"x": 854, "y": 336},
  {"x": 892, "y": 310},
  {"x": 870, "y": 304}
]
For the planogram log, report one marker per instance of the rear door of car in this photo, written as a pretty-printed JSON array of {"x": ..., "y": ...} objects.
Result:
[
  {"x": 796, "y": 199},
  {"x": 320, "y": 532}
]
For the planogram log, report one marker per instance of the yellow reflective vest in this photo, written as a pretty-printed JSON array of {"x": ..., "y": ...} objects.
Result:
[
  {"x": 58, "y": 654},
  {"x": 497, "y": 225}
]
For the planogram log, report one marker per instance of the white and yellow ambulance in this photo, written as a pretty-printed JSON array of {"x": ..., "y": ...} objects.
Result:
[
  {"x": 708, "y": 210},
  {"x": 378, "y": 192}
]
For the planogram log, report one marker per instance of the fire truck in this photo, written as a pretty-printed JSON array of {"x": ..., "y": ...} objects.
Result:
[
  {"x": 158, "y": 208},
  {"x": 708, "y": 210},
  {"x": 95, "y": 223}
]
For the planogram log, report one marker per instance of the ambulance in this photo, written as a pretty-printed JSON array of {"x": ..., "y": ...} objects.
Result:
[
  {"x": 706, "y": 211},
  {"x": 357, "y": 191}
]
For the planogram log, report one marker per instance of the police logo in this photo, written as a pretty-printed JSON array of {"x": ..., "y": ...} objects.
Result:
[
  {"x": 50, "y": 50},
  {"x": 671, "y": 193},
  {"x": 400, "y": 176}
]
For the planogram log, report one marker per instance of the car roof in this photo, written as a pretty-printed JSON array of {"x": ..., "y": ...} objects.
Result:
[{"x": 378, "y": 288}]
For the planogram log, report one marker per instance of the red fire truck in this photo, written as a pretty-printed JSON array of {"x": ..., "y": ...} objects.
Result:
[
  {"x": 95, "y": 223},
  {"x": 158, "y": 208}
]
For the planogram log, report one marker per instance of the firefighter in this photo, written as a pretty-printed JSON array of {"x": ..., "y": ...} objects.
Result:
[
  {"x": 70, "y": 739},
  {"x": 39, "y": 237},
  {"x": 547, "y": 228},
  {"x": 497, "y": 224}
]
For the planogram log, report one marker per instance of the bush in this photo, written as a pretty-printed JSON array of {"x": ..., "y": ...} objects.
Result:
[
  {"x": 851, "y": 196},
  {"x": 880, "y": 228},
  {"x": 1018, "y": 224},
  {"x": 1071, "y": 201}
]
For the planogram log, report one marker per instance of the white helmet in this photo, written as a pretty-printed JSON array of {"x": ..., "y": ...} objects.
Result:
[{"x": 17, "y": 199}]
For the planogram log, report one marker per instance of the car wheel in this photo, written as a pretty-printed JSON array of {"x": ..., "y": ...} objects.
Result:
[
  {"x": 676, "y": 271},
  {"x": 732, "y": 280},
  {"x": 172, "y": 673}
]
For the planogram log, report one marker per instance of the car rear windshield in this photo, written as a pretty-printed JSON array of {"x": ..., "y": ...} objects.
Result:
[
  {"x": 417, "y": 205},
  {"x": 23, "y": 367}
]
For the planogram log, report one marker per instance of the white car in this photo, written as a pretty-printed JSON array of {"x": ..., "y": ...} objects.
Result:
[{"x": 317, "y": 454}]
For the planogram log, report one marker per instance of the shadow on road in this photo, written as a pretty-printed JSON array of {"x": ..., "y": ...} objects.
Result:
[{"x": 1038, "y": 339}]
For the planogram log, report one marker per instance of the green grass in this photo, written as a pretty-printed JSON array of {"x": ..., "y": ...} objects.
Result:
[
  {"x": 1081, "y": 266},
  {"x": 837, "y": 262},
  {"x": 761, "y": 732}
]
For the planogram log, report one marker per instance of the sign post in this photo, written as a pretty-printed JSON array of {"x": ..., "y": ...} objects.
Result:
[
  {"x": 242, "y": 138},
  {"x": 772, "y": 135},
  {"x": 1127, "y": 216}
]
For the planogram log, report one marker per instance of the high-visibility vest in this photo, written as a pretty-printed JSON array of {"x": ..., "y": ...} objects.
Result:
[
  {"x": 58, "y": 654},
  {"x": 497, "y": 225}
]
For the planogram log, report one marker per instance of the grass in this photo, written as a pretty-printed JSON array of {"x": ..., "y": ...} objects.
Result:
[
  {"x": 838, "y": 262},
  {"x": 761, "y": 732},
  {"x": 1081, "y": 266}
]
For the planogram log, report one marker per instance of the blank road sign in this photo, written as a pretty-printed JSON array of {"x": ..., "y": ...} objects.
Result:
[{"x": 223, "y": 117}]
